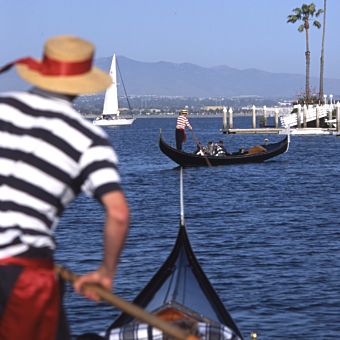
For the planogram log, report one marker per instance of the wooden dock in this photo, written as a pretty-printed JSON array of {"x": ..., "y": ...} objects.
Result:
[
  {"x": 282, "y": 131},
  {"x": 293, "y": 128},
  {"x": 254, "y": 130}
]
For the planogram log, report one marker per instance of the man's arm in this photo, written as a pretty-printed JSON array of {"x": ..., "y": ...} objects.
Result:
[
  {"x": 188, "y": 124},
  {"x": 115, "y": 232}
]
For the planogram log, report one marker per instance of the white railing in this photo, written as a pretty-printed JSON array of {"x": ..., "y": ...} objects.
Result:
[
  {"x": 306, "y": 114},
  {"x": 268, "y": 111}
]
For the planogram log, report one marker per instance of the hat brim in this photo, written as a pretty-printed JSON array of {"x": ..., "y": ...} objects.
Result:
[{"x": 93, "y": 81}]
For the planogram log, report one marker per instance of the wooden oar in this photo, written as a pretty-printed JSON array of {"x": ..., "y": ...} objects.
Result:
[
  {"x": 129, "y": 308},
  {"x": 199, "y": 145}
]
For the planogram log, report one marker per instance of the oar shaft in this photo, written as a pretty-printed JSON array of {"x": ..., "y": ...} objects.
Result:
[{"x": 129, "y": 308}]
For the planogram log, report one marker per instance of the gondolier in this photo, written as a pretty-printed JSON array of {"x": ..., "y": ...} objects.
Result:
[
  {"x": 48, "y": 155},
  {"x": 181, "y": 124}
]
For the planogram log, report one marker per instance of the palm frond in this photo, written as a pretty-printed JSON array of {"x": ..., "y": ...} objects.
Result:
[
  {"x": 292, "y": 18},
  {"x": 297, "y": 12},
  {"x": 305, "y": 9},
  {"x": 301, "y": 28},
  {"x": 317, "y": 23},
  {"x": 312, "y": 8},
  {"x": 320, "y": 11}
]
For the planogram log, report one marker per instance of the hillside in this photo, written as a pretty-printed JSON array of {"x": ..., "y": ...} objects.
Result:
[{"x": 171, "y": 79}]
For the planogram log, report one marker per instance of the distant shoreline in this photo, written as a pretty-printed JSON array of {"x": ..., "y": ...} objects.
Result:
[{"x": 236, "y": 114}]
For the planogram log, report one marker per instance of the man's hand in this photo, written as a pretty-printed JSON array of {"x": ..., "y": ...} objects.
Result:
[{"x": 100, "y": 277}]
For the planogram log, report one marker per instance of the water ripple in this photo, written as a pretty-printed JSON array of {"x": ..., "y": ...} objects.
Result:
[{"x": 267, "y": 235}]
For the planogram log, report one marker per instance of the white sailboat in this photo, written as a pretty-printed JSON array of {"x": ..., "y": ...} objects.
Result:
[{"x": 111, "y": 115}]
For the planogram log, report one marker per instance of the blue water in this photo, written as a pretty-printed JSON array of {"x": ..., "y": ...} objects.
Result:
[{"x": 267, "y": 235}]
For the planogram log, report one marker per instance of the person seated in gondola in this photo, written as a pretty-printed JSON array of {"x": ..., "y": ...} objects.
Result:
[
  {"x": 200, "y": 150},
  {"x": 212, "y": 149},
  {"x": 209, "y": 150},
  {"x": 219, "y": 149}
]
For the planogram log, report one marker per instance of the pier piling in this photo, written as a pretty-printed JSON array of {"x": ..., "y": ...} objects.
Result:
[
  {"x": 276, "y": 118},
  {"x": 305, "y": 111},
  {"x": 338, "y": 117},
  {"x": 264, "y": 115},
  {"x": 254, "y": 117},
  {"x": 317, "y": 119},
  {"x": 231, "y": 120},
  {"x": 224, "y": 118},
  {"x": 298, "y": 116},
  {"x": 330, "y": 116}
]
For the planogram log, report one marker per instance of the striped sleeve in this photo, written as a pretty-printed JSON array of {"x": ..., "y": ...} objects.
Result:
[{"x": 99, "y": 170}]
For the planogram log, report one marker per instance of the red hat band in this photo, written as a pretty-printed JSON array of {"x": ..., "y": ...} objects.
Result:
[{"x": 52, "y": 67}]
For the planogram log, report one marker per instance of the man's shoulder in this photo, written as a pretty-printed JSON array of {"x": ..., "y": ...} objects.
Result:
[
  {"x": 30, "y": 99},
  {"x": 10, "y": 94},
  {"x": 54, "y": 109}
]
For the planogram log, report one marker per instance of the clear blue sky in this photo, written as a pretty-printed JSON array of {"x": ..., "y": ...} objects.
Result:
[{"x": 241, "y": 34}]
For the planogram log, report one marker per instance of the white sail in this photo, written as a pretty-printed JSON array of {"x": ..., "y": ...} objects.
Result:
[
  {"x": 111, "y": 95},
  {"x": 110, "y": 115}
]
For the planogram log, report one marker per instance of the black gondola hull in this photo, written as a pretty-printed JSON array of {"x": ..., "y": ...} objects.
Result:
[
  {"x": 181, "y": 282},
  {"x": 186, "y": 159}
]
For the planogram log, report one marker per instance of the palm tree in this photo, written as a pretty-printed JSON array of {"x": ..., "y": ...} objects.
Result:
[
  {"x": 322, "y": 58},
  {"x": 304, "y": 14}
]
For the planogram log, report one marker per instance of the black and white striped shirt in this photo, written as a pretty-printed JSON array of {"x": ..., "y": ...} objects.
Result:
[
  {"x": 48, "y": 154},
  {"x": 142, "y": 331},
  {"x": 182, "y": 122}
]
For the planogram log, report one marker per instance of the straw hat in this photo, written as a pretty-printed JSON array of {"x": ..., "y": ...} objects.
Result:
[
  {"x": 183, "y": 112},
  {"x": 66, "y": 68}
]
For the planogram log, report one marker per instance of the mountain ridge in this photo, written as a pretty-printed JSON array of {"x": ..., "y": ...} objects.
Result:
[
  {"x": 187, "y": 79},
  {"x": 163, "y": 78}
]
